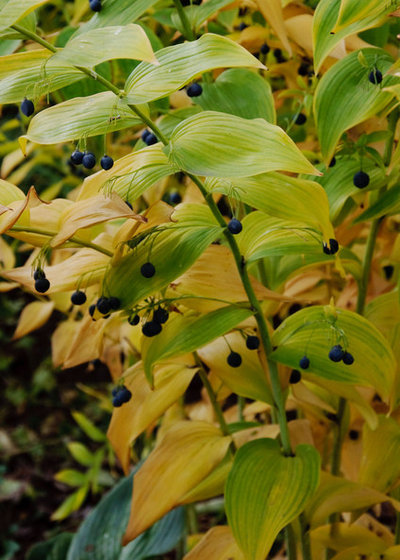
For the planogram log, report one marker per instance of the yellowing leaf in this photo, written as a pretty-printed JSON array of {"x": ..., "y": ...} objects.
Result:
[
  {"x": 258, "y": 503},
  {"x": 86, "y": 344},
  {"x": 211, "y": 486},
  {"x": 346, "y": 536},
  {"x": 18, "y": 212},
  {"x": 146, "y": 405},
  {"x": 217, "y": 544},
  {"x": 352, "y": 11},
  {"x": 13, "y": 10},
  {"x": 33, "y": 316},
  {"x": 272, "y": 11},
  {"x": 187, "y": 453}
]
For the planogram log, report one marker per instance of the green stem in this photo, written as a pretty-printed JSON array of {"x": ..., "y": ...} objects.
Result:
[
  {"x": 305, "y": 538},
  {"x": 290, "y": 539},
  {"x": 241, "y": 403},
  {"x": 147, "y": 120},
  {"x": 34, "y": 37},
  {"x": 369, "y": 251},
  {"x": 184, "y": 20}
]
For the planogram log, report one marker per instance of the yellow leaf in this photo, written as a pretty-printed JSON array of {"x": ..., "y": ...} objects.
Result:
[
  {"x": 187, "y": 453},
  {"x": 18, "y": 211},
  {"x": 348, "y": 536},
  {"x": 86, "y": 344},
  {"x": 272, "y": 11},
  {"x": 217, "y": 544},
  {"x": 61, "y": 341},
  {"x": 212, "y": 485},
  {"x": 146, "y": 405},
  {"x": 33, "y": 316}
]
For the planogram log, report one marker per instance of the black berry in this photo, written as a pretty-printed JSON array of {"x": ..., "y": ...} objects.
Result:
[
  {"x": 235, "y": 226},
  {"x": 304, "y": 363},
  {"x": 134, "y": 320},
  {"x": 77, "y": 157},
  {"x": 42, "y": 285},
  {"x": 301, "y": 119},
  {"x": 151, "y": 328},
  {"x": 95, "y": 5},
  {"x": 303, "y": 69},
  {"x": 388, "y": 271},
  {"x": 333, "y": 162},
  {"x": 147, "y": 270},
  {"x": 348, "y": 358},
  {"x": 295, "y": 376},
  {"x": 39, "y": 273},
  {"x": 264, "y": 49},
  {"x": 375, "y": 77},
  {"x": 175, "y": 198},
  {"x": 92, "y": 309},
  {"x": 361, "y": 180},
  {"x": 151, "y": 139},
  {"x": 334, "y": 246},
  {"x": 194, "y": 90},
  {"x": 160, "y": 315},
  {"x": 27, "y": 107},
  {"x": 106, "y": 162},
  {"x": 354, "y": 434},
  {"x": 336, "y": 353},
  {"x": 121, "y": 395},
  {"x": 78, "y": 298},
  {"x": 103, "y": 305},
  {"x": 114, "y": 303},
  {"x": 252, "y": 342},
  {"x": 88, "y": 160},
  {"x": 326, "y": 249},
  {"x": 234, "y": 359},
  {"x": 128, "y": 204}
]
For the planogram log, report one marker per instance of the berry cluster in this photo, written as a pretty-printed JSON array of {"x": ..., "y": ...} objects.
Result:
[
  {"x": 27, "y": 107},
  {"x": 337, "y": 354},
  {"x": 105, "y": 305},
  {"x": 41, "y": 282},
  {"x": 149, "y": 138},
  {"x": 234, "y": 359},
  {"x": 88, "y": 160},
  {"x": 154, "y": 327},
  {"x": 120, "y": 395}
]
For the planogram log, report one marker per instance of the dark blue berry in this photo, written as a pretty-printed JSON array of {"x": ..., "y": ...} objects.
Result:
[
  {"x": 388, "y": 271},
  {"x": 92, "y": 309},
  {"x": 234, "y": 359},
  {"x": 88, "y": 160},
  {"x": 336, "y": 353},
  {"x": 95, "y": 5},
  {"x": 134, "y": 320},
  {"x": 106, "y": 162},
  {"x": 326, "y": 249},
  {"x": 128, "y": 204},
  {"x": 78, "y": 298},
  {"x": 375, "y": 77},
  {"x": 147, "y": 270},
  {"x": 160, "y": 315},
  {"x": 235, "y": 226},
  {"x": 175, "y": 198},
  {"x": 295, "y": 376},
  {"x": 333, "y": 162},
  {"x": 265, "y": 49},
  {"x": 114, "y": 303},
  {"x": 252, "y": 342},
  {"x": 304, "y": 363},
  {"x": 115, "y": 390},
  {"x": 121, "y": 394},
  {"x": 77, "y": 157},
  {"x": 301, "y": 119},
  {"x": 42, "y": 285},
  {"x": 145, "y": 134},
  {"x": 194, "y": 90},
  {"x": 303, "y": 69},
  {"x": 151, "y": 139},
  {"x": 151, "y": 328},
  {"x": 39, "y": 273},
  {"x": 361, "y": 180},
  {"x": 348, "y": 358},
  {"x": 27, "y": 107},
  {"x": 103, "y": 305},
  {"x": 334, "y": 245}
]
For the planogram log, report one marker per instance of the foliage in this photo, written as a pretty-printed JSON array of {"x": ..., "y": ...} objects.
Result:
[{"x": 202, "y": 196}]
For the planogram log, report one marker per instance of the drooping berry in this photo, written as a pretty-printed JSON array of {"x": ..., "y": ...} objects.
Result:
[
  {"x": 175, "y": 198},
  {"x": 89, "y": 160},
  {"x": 388, "y": 271},
  {"x": 160, "y": 315},
  {"x": 354, "y": 434},
  {"x": 301, "y": 119},
  {"x": 145, "y": 134},
  {"x": 103, "y": 305},
  {"x": 332, "y": 162},
  {"x": 77, "y": 157},
  {"x": 114, "y": 303},
  {"x": 147, "y": 270},
  {"x": 78, "y": 297},
  {"x": 38, "y": 273},
  {"x": 235, "y": 226},
  {"x": 234, "y": 359},
  {"x": 336, "y": 353},
  {"x": 194, "y": 90},
  {"x": 304, "y": 363},
  {"x": 265, "y": 49},
  {"x": 295, "y": 376},
  {"x": 334, "y": 246},
  {"x": 326, "y": 249},
  {"x": 27, "y": 107},
  {"x": 106, "y": 162},
  {"x": 134, "y": 320},
  {"x": 92, "y": 309},
  {"x": 348, "y": 358},
  {"x": 151, "y": 139},
  {"x": 95, "y": 5},
  {"x": 42, "y": 285},
  {"x": 151, "y": 328},
  {"x": 375, "y": 76},
  {"x": 121, "y": 395},
  {"x": 303, "y": 69},
  {"x": 361, "y": 180},
  {"x": 252, "y": 342}
]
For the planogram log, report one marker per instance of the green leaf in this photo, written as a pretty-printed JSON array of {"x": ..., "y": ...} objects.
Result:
[
  {"x": 181, "y": 63},
  {"x": 258, "y": 503},
  {"x": 313, "y": 331},
  {"x": 240, "y": 92},
  {"x": 70, "y": 504},
  {"x": 265, "y": 236},
  {"x": 117, "y": 12},
  {"x": 80, "y": 118},
  {"x": 387, "y": 204},
  {"x": 88, "y": 427},
  {"x": 352, "y": 11},
  {"x": 52, "y": 549},
  {"x": 32, "y": 74},
  {"x": 71, "y": 477},
  {"x": 128, "y": 41},
  {"x": 186, "y": 334},
  {"x": 345, "y": 97},
  {"x": 171, "y": 120},
  {"x": 13, "y": 10},
  {"x": 81, "y": 453},
  {"x": 172, "y": 249},
  {"x": 222, "y": 145},
  {"x": 198, "y": 14}
]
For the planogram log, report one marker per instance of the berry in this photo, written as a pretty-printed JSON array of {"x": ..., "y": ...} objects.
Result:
[
  {"x": 252, "y": 342},
  {"x": 235, "y": 226},
  {"x": 151, "y": 328},
  {"x": 361, "y": 180},
  {"x": 295, "y": 376},
  {"x": 326, "y": 249},
  {"x": 114, "y": 303},
  {"x": 78, "y": 298},
  {"x": 242, "y": 26},
  {"x": 301, "y": 119},
  {"x": 77, "y": 157},
  {"x": 304, "y": 363},
  {"x": 39, "y": 273},
  {"x": 333, "y": 162},
  {"x": 234, "y": 359},
  {"x": 151, "y": 139},
  {"x": 92, "y": 309},
  {"x": 145, "y": 134},
  {"x": 348, "y": 358},
  {"x": 121, "y": 395},
  {"x": 264, "y": 49},
  {"x": 185, "y": 2},
  {"x": 336, "y": 353},
  {"x": 278, "y": 55},
  {"x": 95, "y": 5},
  {"x": 375, "y": 76},
  {"x": 388, "y": 271},
  {"x": 128, "y": 204},
  {"x": 88, "y": 160},
  {"x": 27, "y": 107},
  {"x": 194, "y": 90},
  {"x": 147, "y": 270},
  {"x": 303, "y": 69},
  {"x": 175, "y": 198},
  {"x": 134, "y": 320},
  {"x": 354, "y": 434},
  {"x": 115, "y": 391},
  {"x": 103, "y": 305},
  {"x": 42, "y": 285},
  {"x": 106, "y": 162},
  {"x": 334, "y": 246},
  {"x": 160, "y": 315},
  {"x": 117, "y": 401}
]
